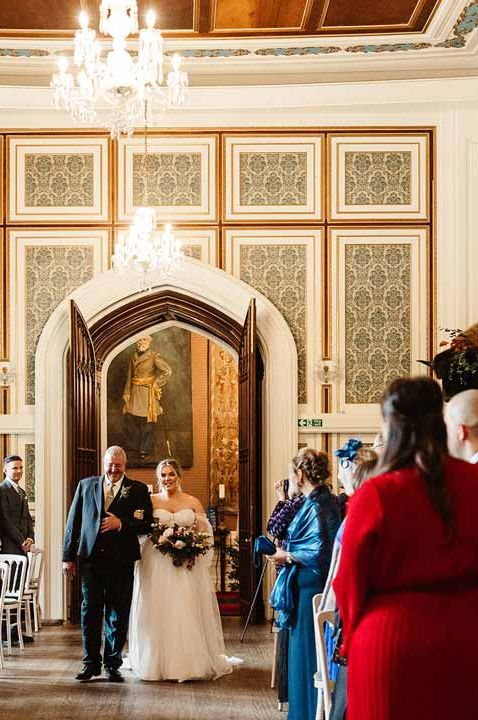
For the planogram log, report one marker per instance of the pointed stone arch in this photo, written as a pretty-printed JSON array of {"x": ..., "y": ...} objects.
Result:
[{"x": 201, "y": 297}]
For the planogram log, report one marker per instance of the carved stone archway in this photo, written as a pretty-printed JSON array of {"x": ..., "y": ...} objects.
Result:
[{"x": 202, "y": 291}]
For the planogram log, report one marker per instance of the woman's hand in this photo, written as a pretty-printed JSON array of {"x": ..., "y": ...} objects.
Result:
[
  {"x": 279, "y": 557},
  {"x": 279, "y": 488}
]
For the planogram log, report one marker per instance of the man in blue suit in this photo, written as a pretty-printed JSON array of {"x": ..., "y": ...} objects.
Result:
[{"x": 106, "y": 516}]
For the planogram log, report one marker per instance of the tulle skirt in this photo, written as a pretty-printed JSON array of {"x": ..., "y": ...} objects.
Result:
[{"x": 175, "y": 630}]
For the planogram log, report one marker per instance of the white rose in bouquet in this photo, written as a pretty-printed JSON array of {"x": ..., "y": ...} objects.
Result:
[
  {"x": 179, "y": 544},
  {"x": 168, "y": 532}
]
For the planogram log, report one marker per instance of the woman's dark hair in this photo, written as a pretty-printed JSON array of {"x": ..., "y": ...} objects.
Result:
[
  {"x": 416, "y": 435},
  {"x": 314, "y": 464}
]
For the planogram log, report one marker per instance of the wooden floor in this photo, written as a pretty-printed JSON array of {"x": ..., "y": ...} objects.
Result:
[{"x": 38, "y": 684}]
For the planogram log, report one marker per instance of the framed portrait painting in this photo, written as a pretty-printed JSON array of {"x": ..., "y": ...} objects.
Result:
[{"x": 149, "y": 406}]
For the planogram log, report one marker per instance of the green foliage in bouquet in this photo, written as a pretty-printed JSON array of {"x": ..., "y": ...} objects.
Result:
[{"x": 182, "y": 544}]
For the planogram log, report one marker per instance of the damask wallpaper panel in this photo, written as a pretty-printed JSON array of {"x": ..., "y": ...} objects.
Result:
[
  {"x": 285, "y": 266},
  {"x": 45, "y": 267},
  {"x": 379, "y": 310},
  {"x": 273, "y": 178},
  {"x": 177, "y": 177},
  {"x": 374, "y": 178},
  {"x": 58, "y": 180}
]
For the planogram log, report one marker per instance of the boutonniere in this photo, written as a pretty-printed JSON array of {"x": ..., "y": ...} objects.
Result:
[{"x": 124, "y": 492}]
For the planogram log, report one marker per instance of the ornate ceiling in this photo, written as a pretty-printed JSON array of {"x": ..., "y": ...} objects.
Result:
[
  {"x": 230, "y": 18},
  {"x": 256, "y": 42}
]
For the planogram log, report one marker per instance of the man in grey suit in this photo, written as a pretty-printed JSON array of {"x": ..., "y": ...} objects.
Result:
[
  {"x": 106, "y": 516},
  {"x": 16, "y": 524}
]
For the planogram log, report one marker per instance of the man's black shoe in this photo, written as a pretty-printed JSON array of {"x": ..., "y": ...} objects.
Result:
[
  {"x": 88, "y": 672},
  {"x": 28, "y": 639},
  {"x": 114, "y": 675}
]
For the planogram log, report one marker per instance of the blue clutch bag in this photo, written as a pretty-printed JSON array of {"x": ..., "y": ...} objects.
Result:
[{"x": 262, "y": 546}]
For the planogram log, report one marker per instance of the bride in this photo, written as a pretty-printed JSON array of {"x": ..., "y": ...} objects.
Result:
[{"x": 175, "y": 630}]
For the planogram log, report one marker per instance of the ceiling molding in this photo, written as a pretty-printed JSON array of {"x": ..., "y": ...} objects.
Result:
[{"x": 449, "y": 44}]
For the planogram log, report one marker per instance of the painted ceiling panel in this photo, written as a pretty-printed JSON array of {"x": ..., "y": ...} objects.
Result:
[
  {"x": 257, "y": 14},
  {"x": 397, "y": 15},
  {"x": 230, "y": 17}
]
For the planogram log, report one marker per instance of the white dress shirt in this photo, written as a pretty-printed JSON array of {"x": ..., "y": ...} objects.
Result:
[
  {"x": 116, "y": 486},
  {"x": 474, "y": 459}
]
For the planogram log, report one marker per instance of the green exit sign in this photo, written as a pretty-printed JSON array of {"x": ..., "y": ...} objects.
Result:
[{"x": 310, "y": 422}]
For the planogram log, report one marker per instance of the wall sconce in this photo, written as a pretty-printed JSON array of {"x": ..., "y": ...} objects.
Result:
[
  {"x": 7, "y": 374},
  {"x": 327, "y": 371}
]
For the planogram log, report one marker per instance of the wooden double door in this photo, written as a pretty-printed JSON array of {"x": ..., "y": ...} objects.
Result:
[{"x": 89, "y": 347}]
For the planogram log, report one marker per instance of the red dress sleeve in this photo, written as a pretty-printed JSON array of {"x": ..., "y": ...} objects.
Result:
[{"x": 358, "y": 558}]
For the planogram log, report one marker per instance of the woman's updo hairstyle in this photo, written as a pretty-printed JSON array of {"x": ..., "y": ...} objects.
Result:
[
  {"x": 314, "y": 464},
  {"x": 171, "y": 462}
]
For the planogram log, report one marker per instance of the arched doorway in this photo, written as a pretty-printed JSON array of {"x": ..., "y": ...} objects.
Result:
[
  {"x": 90, "y": 347},
  {"x": 201, "y": 290}
]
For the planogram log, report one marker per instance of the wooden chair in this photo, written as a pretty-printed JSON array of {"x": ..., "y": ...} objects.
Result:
[
  {"x": 31, "y": 596},
  {"x": 4, "y": 584},
  {"x": 322, "y": 681},
  {"x": 14, "y": 597}
]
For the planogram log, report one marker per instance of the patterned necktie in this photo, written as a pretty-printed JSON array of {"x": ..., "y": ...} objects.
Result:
[{"x": 110, "y": 496}]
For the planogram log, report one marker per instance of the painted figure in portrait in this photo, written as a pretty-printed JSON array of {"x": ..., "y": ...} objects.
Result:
[{"x": 149, "y": 398}]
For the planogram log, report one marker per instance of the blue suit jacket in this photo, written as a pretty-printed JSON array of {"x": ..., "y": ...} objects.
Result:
[{"x": 82, "y": 536}]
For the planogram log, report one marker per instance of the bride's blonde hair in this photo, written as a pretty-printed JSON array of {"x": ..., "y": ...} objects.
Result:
[{"x": 176, "y": 467}]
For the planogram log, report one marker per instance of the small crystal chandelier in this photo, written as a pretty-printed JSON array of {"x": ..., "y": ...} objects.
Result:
[
  {"x": 117, "y": 91},
  {"x": 146, "y": 250}
]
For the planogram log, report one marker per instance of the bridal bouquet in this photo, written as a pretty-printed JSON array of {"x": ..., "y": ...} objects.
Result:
[{"x": 182, "y": 544}]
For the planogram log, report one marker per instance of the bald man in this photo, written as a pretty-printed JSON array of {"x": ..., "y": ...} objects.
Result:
[{"x": 461, "y": 418}]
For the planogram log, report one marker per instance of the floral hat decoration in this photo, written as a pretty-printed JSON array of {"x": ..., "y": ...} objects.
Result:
[
  {"x": 349, "y": 451},
  {"x": 457, "y": 366}
]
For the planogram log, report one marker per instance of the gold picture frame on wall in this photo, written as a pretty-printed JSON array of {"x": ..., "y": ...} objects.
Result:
[
  {"x": 273, "y": 178},
  {"x": 377, "y": 178},
  {"x": 58, "y": 180},
  {"x": 176, "y": 176}
]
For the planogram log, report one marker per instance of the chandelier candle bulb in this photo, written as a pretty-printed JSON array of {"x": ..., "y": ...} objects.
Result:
[
  {"x": 84, "y": 43},
  {"x": 222, "y": 491},
  {"x": 122, "y": 90}
]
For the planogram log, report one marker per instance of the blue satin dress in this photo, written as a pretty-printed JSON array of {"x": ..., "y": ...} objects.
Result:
[{"x": 309, "y": 539}]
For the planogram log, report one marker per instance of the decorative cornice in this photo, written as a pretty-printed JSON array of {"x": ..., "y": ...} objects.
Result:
[{"x": 465, "y": 24}]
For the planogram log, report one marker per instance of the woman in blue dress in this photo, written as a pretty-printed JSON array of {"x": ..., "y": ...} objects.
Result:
[{"x": 305, "y": 561}]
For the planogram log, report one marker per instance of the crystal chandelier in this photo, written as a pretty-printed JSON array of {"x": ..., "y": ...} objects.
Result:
[
  {"x": 118, "y": 91},
  {"x": 146, "y": 250}
]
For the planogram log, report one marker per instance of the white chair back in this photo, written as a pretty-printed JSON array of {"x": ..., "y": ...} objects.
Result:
[
  {"x": 18, "y": 574},
  {"x": 35, "y": 567},
  {"x": 4, "y": 584},
  {"x": 323, "y": 683}
]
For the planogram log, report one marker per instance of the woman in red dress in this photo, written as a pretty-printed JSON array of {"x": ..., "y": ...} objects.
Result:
[{"x": 407, "y": 585}]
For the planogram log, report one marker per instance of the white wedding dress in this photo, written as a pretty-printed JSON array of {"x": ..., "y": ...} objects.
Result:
[{"x": 175, "y": 630}]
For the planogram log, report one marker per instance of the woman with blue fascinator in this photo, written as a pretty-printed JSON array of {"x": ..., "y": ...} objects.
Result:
[
  {"x": 356, "y": 464},
  {"x": 304, "y": 562}
]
